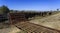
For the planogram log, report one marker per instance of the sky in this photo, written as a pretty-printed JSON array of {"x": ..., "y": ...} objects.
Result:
[{"x": 31, "y": 4}]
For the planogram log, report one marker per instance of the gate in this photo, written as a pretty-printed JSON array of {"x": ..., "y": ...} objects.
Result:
[{"x": 16, "y": 17}]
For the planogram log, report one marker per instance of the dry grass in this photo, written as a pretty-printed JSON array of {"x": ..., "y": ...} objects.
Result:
[{"x": 52, "y": 21}]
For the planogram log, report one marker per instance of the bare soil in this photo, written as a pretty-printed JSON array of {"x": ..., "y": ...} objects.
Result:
[{"x": 52, "y": 21}]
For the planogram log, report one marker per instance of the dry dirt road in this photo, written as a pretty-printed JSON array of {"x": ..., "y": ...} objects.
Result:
[{"x": 52, "y": 21}]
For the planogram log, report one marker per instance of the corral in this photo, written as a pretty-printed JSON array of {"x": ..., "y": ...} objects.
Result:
[
  {"x": 16, "y": 17},
  {"x": 20, "y": 22}
]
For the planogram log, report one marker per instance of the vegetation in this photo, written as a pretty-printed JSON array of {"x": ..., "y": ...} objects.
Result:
[
  {"x": 4, "y": 9},
  {"x": 28, "y": 14}
]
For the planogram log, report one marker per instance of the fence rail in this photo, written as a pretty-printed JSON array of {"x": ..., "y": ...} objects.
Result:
[{"x": 30, "y": 27}]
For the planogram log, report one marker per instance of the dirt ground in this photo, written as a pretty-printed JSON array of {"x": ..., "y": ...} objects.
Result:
[
  {"x": 52, "y": 21},
  {"x": 6, "y": 28}
]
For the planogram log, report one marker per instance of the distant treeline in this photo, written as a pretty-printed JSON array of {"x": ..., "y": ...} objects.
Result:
[
  {"x": 30, "y": 14},
  {"x": 4, "y": 10},
  {"x": 42, "y": 14}
]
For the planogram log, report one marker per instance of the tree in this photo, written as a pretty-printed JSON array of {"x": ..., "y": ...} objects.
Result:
[
  {"x": 4, "y": 9},
  {"x": 11, "y": 11},
  {"x": 57, "y": 9}
]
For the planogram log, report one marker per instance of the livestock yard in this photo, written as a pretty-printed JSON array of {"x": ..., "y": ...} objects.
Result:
[
  {"x": 29, "y": 16},
  {"x": 17, "y": 23}
]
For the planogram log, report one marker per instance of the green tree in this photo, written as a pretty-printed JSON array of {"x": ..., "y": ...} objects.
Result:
[{"x": 4, "y": 9}]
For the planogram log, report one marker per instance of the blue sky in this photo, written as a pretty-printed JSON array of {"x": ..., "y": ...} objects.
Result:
[{"x": 31, "y": 4}]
